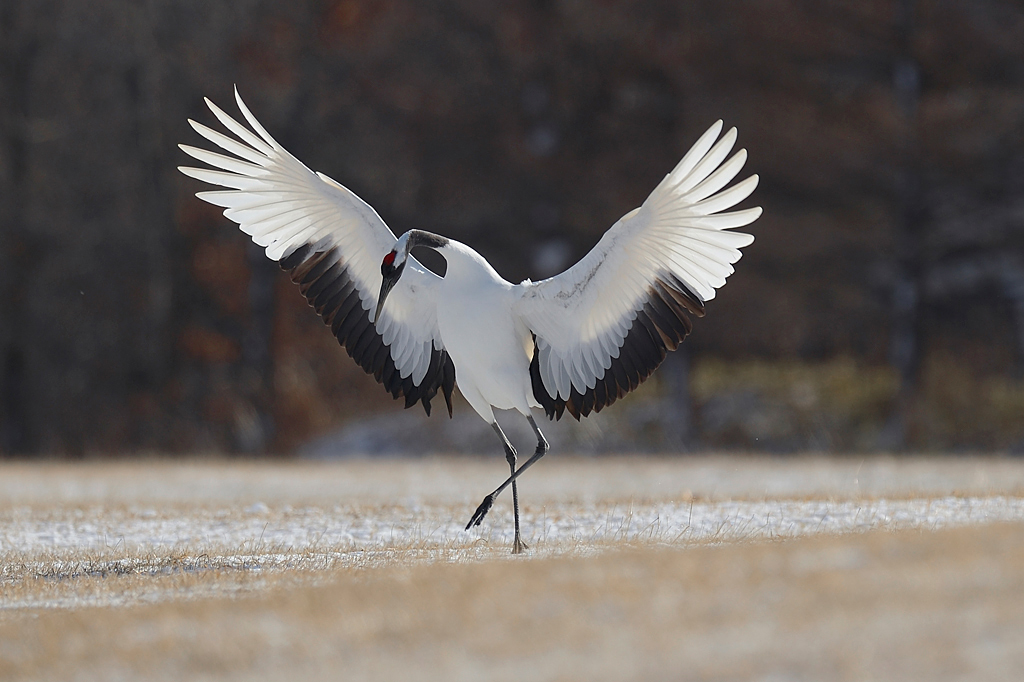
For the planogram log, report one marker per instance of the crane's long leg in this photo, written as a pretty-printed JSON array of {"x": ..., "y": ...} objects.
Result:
[
  {"x": 485, "y": 506},
  {"x": 510, "y": 455}
]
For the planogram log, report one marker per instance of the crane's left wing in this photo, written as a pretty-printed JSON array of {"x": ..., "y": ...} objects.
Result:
[
  {"x": 604, "y": 325},
  {"x": 331, "y": 242}
]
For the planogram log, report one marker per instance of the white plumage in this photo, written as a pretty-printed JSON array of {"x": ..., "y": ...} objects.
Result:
[
  {"x": 582, "y": 316},
  {"x": 576, "y": 341},
  {"x": 283, "y": 206}
]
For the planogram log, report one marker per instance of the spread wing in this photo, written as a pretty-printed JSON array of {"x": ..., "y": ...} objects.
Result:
[
  {"x": 331, "y": 243},
  {"x": 604, "y": 325}
]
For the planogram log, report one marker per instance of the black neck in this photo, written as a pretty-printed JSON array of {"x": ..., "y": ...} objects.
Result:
[{"x": 424, "y": 238}]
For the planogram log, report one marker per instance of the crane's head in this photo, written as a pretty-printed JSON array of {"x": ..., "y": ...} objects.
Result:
[
  {"x": 391, "y": 269},
  {"x": 393, "y": 265}
]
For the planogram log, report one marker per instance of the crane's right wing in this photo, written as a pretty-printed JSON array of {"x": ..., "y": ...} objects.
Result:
[
  {"x": 601, "y": 327},
  {"x": 331, "y": 242}
]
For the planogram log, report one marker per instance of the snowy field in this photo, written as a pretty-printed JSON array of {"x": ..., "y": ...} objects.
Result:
[{"x": 640, "y": 568}]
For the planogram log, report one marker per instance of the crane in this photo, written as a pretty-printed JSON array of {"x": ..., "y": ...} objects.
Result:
[{"x": 575, "y": 343}]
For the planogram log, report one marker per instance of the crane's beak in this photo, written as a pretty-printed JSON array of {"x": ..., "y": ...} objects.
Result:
[
  {"x": 390, "y": 276},
  {"x": 385, "y": 288}
]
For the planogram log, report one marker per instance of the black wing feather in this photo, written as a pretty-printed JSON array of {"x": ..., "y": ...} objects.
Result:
[
  {"x": 661, "y": 324},
  {"x": 324, "y": 280}
]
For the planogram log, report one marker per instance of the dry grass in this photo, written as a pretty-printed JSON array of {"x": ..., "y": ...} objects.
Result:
[
  {"x": 941, "y": 605},
  {"x": 267, "y": 576}
]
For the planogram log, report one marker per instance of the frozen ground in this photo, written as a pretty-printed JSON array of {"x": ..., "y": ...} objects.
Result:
[
  {"x": 182, "y": 538},
  {"x": 59, "y": 520}
]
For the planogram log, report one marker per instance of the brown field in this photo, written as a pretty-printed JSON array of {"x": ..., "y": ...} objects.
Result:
[{"x": 358, "y": 570}]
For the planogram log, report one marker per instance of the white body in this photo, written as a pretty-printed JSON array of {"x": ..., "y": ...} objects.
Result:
[{"x": 491, "y": 347}]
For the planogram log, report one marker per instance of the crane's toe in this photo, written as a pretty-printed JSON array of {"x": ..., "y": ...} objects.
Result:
[
  {"x": 481, "y": 512},
  {"x": 518, "y": 546}
]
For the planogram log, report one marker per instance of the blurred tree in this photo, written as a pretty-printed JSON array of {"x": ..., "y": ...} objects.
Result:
[
  {"x": 19, "y": 44},
  {"x": 134, "y": 317},
  {"x": 905, "y": 335}
]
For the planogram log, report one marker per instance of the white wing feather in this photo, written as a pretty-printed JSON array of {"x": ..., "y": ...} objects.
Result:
[
  {"x": 283, "y": 205},
  {"x": 582, "y": 316}
]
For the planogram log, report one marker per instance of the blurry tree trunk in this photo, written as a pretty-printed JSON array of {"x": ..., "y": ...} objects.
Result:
[
  {"x": 17, "y": 50},
  {"x": 905, "y": 338},
  {"x": 146, "y": 87},
  {"x": 1013, "y": 287},
  {"x": 677, "y": 406},
  {"x": 254, "y": 429},
  {"x": 149, "y": 87}
]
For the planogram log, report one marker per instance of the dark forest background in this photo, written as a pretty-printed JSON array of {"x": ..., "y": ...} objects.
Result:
[{"x": 880, "y": 308}]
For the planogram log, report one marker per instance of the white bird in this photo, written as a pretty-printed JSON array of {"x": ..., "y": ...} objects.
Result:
[{"x": 577, "y": 341}]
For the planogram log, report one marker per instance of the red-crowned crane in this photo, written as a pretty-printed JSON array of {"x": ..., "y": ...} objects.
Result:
[{"x": 575, "y": 342}]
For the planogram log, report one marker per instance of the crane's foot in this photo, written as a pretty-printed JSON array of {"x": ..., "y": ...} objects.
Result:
[
  {"x": 518, "y": 546},
  {"x": 481, "y": 512}
]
